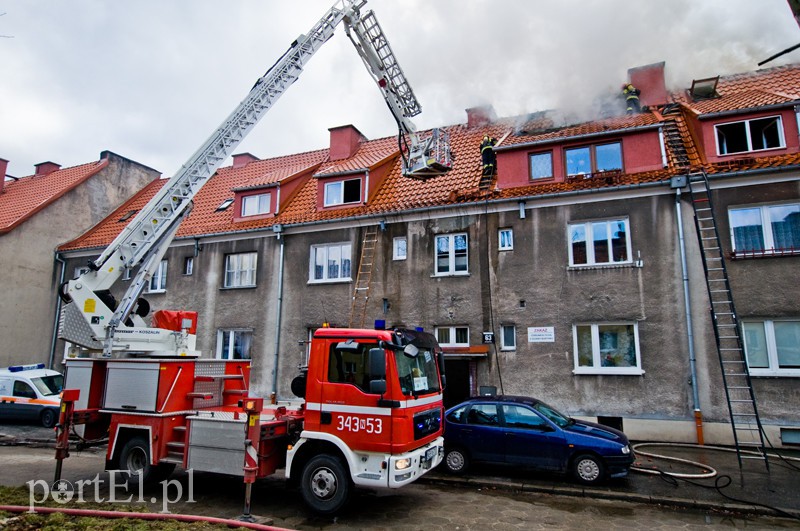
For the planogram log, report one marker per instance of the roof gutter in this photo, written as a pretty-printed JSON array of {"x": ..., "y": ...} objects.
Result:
[
  {"x": 761, "y": 108},
  {"x": 584, "y": 136}
]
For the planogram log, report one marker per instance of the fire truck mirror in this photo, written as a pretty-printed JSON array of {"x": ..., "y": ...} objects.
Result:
[
  {"x": 377, "y": 387},
  {"x": 377, "y": 364}
]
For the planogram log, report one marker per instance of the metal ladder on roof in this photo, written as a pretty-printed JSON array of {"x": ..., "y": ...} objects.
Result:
[
  {"x": 748, "y": 433},
  {"x": 358, "y": 310}
]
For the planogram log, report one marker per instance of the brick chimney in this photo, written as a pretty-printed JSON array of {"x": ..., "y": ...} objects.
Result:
[
  {"x": 345, "y": 141},
  {"x": 243, "y": 159},
  {"x": 46, "y": 168},
  {"x": 650, "y": 80},
  {"x": 3, "y": 169},
  {"x": 480, "y": 116}
]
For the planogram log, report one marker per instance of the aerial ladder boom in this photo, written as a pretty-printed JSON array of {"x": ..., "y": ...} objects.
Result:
[{"x": 95, "y": 321}]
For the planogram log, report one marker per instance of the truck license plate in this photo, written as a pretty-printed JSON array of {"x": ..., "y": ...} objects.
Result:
[{"x": 430, "y": 455}]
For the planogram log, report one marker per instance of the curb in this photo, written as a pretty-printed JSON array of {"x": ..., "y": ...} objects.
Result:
[{"x": 588, "y": 492}]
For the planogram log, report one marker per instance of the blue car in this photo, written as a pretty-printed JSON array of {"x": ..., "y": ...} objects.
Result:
[{"x": 527, "y": 433}]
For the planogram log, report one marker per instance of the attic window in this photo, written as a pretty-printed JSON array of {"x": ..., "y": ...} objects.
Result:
[
  {"x": 704, "y": 88},
  {"x": 343, "y": 192},
  {"x": 225, "y": 204},
  {"x": 750, "y": 135},
  {"x": 128, "y": 215}
]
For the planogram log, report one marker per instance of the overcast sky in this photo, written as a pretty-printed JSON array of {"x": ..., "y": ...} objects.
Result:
[{"x": 151, "y": 79}]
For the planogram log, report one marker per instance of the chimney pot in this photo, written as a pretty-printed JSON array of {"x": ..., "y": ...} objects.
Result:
[
  {"x": 243, "y": 159},
  {"x": 46, "y": 168},
  {"x": 480, "y": 116},
  {"x": 345, "y": 141},
  {"x": 3, "y": 169},
  {"x": 650, "y": 80}
]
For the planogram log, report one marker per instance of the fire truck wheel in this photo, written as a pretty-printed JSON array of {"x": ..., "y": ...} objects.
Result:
[
  {"x": 456, "y": 460},
  {"x": 325, "y": 485},
  {"x": 49, "y": 417},
  {"x": 134, "y": 458}
]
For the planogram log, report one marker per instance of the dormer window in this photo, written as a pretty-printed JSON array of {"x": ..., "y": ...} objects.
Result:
[
  {"x": 749, "y": 135},
  {"x": 343, "y": 192},
  {"x": 253, "y": 205}
]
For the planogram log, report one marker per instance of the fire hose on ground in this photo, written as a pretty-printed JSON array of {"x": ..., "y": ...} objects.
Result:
[{"x": 189, "y": 518}]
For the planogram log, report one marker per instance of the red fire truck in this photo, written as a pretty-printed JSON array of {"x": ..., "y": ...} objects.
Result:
[{"x": 372, "y": 414}]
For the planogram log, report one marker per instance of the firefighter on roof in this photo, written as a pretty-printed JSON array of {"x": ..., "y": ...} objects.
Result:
[
  {"x": 631, "y": 94},
  {"x": 488, "y": 156}
]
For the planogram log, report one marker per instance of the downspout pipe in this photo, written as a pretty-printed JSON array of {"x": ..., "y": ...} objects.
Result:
[
  {"x": 698, "y": 416},
  {"x": 57, "y": 316},
  {"x": 279, "y": 313}
]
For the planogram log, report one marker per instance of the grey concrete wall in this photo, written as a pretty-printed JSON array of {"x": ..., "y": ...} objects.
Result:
[
  {"x": 27, "y": 256},
  {"x": 536, "y": 271}
]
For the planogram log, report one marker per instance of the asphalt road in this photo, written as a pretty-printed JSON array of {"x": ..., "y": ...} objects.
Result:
[{"x": 418, "y": 506}]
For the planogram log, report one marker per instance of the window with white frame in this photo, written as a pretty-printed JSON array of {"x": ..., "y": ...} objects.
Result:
[
  {"x": 607, "y": 348},
  {"x": 765, "y": 229},
  {"x": 772, "y": 347},
  {"x": 158, "y": 282},
  {"x": 749, "y": 135},
  {"x": 505, "y": 239},
  {"x": 343, "y": 192},
  {"x": 253, "y": 205},
  {"x": 234, "y": 344},
  {"x": 451, "y": 254},
  {"x": 399, "y": 248},
  {"x": 188, "y": 265},
  {"x": 541, "y": 165},
  {"x": 330, "y": 263},
  {"x": 597, "y": 158},
  {"x": 508, "y": 337},
  {"x": 240, "y": 270},
  {"x": 599, "y": 242},
  {"x": 452, "y": 336}
]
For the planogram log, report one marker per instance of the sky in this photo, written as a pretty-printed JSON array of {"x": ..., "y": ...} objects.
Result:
[{"x": 152, "y": 79}]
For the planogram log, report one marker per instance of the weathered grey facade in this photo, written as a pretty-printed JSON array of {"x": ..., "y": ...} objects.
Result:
[{"x": 52, "y": 208}]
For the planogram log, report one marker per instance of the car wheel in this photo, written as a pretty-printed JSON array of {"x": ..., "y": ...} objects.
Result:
[
  {"x": 49, "y": 417},
  {"x": 325, "y": 485},
  {"x": 588, "y": 469},
  {"x": 456, "y": 460}
]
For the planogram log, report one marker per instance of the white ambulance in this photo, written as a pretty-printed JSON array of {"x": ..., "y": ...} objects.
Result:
[{"x": 30, "y": 392}]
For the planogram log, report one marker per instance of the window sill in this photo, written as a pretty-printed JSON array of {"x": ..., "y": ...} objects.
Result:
[
  {"x": 445, "y": 275},
  {"x": 508, "y": 349},
  {"x": 769, "y": 373},
  {"x": 765, "y": 253},
  {"x": 623, "y": 265},
  {"x": 627, "y": 371},
  {"x": 334, "y": 281},
  {"x": 226, "y": 288},
  {"x": 155, "y": 291}
]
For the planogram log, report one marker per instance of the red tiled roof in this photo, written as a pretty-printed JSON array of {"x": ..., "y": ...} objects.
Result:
[
  {"x": 25, "y": 197},
  {"x": 749, "y": 90},
  {"x": 461, "y": 185},
  {"x": 369, "y": 155}
]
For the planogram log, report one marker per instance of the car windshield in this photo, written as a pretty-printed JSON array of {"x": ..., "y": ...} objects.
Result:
[
  {"x": 49, "y": 385},
  {"x": 553, "y": 415},
  {"x": 418, "y": 374}
]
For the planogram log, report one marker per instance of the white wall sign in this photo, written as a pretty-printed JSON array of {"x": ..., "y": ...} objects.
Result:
[{"x": 541, "y": 334}]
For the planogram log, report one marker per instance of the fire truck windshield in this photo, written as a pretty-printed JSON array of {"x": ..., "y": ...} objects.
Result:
[{"x": 418, "y": 374}]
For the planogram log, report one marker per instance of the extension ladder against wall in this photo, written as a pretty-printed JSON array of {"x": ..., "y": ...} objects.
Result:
[
  {"x": 358, "y": 310},
  {"x": 747, "y": 430}
]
